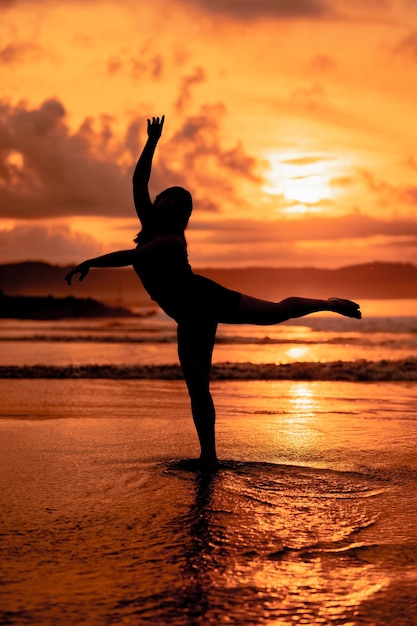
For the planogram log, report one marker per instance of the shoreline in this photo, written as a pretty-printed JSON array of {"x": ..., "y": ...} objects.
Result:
[{"x": 360, "y": 370}]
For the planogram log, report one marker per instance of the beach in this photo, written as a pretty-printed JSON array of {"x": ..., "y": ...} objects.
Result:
[
  {"x": 311, "y": 516},
  {"x": 310, "y": 519}
]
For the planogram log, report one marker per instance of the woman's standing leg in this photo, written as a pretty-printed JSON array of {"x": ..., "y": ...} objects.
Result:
[{"x": 195, "y": 349}]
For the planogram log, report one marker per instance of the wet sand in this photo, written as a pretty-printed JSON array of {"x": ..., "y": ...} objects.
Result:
[{"x": 311, "y": 518}]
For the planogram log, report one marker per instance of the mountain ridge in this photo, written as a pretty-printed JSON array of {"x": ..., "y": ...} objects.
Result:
[{"x": 377, "y": 280}]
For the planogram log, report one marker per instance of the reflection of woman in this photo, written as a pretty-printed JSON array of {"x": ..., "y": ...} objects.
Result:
[{"x": 196, "y": 303}]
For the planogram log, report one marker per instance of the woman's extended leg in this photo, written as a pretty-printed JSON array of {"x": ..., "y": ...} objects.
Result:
[
  {"x": 195, "y": 349},
  {"x": 254, "y": 311}
]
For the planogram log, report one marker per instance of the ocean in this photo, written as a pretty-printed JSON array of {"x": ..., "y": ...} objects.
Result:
[{"x": 311, "y": 518}]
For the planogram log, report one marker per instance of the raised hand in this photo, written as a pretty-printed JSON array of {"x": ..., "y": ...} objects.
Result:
[
  {"x": 155, "y": 127},
  {"x": 82, "y": 269}
]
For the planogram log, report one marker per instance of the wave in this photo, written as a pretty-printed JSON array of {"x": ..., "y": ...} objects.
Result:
[
  {"x": 358, "y": 339},
  {"x": 90, "y": 339},
  {"x": 360, "y": 370}
]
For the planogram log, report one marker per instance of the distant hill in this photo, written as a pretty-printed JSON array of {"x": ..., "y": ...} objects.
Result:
[
  {"x": 118, "y": 287},
  {"x": 121, "y": 287},
  {"x": 50, "y": 308},
  {"x": 368, "y": 281}
]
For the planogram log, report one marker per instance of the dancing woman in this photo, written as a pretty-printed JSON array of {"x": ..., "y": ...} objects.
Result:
[{"x": 196, "y": 303}]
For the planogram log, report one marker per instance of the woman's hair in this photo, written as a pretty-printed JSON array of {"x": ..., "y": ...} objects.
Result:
[
  {"x": 175, "y": 219},
  {"x": 183, "y": 202}
]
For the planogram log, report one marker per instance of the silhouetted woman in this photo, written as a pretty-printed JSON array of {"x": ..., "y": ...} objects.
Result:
[{"x": 196, "y": 303}]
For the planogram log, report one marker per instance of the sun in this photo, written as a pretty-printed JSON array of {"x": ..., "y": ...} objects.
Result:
[
  {"x": 309, "y": 189},
  {"x": 300, "y": 179}
]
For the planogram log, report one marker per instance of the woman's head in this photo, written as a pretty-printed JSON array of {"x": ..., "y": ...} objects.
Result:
[{"x": 173, "y": 208}]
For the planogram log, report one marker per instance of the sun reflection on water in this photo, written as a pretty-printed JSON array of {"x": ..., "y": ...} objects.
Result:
[
  {"x": 298, "y": 352},
  {"x": 302, "y": 399},
  {"x": 279, "y": 545}
]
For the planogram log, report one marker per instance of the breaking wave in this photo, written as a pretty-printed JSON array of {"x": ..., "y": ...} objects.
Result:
[{"x": 360, "y": 370}]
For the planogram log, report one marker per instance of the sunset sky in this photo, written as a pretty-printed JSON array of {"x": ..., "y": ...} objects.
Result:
[{"x": 292, "y": 122}]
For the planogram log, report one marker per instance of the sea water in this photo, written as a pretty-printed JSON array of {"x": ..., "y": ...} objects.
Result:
[
  {"x": 311, "y": 518},
  {"x": 388, "y": 331}
]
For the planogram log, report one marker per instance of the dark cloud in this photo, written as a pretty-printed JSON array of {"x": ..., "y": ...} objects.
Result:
[
  {"x": 212, "y": 172},
  {"x": 409, "y": 194},
  {"x": 315, "y": 240},
  {"x": 187, "y": 82},
  {"x": 20, "y": 51},
  {"x": 371, "y": 11},
  {"x": 48, "y": 171},
  {"x": 278, "y": 9},
  {"x": 142, "y": 66},
  {"x": 322, "y": 63},
  {"x": 5, "y": 4},
  {"x": 114, "y": 65},
  {"x": 407, "y": 46},
  {"x": 388, "y": 192},
  {"x": 235, "y": 240},
  {"x": 28, "y": 242},
  {"x": 318, "y": 228}
]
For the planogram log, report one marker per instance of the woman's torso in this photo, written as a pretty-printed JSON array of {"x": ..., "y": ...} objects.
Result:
[{"x": 163, "y": 267}]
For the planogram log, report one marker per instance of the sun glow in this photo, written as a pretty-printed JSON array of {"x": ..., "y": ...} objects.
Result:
[
  {"x": 13, "y": 167},
  {"x": 309, "y": 189},
  {"x": 297, "y": 352},
  {"x": 302, "y": 179}
]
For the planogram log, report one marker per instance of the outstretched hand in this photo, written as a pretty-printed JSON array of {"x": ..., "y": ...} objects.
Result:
[
  {"x": 155, "y": 127},
  {"x": 82, "y": 269}
]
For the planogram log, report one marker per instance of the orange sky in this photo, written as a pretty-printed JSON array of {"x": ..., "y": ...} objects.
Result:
[{"x": 292, "y": 122}]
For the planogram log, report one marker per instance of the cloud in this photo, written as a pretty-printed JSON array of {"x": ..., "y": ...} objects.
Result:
[
  {"x": 19, "y": 51},
  {"x": 342, "y": 181},
  {"x": 48, "y": 171},
  {"x": 341, "y": 10},
  {"x": 311, "y": 96},
  {"x": 317, "y": 228},
  {"x": 389, "y": 193},
  {"x": 184, "y": 97},
  {"x": 310, "y": 160},
  {"x": 249, "y": 10},
  {"x": 12, "y": 3},
  {"x": 234, "y": 242},
  {"x": 195, "y": 158},
  {"x": 28, "y": 242},
  {"x": 143, "y": 66},
  {"x": 322, "y": 63},
  {"x": 407, "y": 46},
  {"x": 315, "y": 241},
  {"x": 276, "y": 9}
]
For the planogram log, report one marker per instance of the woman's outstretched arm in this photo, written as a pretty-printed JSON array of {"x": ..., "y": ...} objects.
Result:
[
  {"x": 122, "y": 258},
  {"x": 142, "y": 171}
]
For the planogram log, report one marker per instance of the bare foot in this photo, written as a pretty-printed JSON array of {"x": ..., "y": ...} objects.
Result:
[
  {"x": 208, "y": 464},
  {"x": 345, "y": 307}
]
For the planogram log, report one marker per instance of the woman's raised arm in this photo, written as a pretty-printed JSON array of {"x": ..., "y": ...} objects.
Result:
[{"x": 142, "y": 171}]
